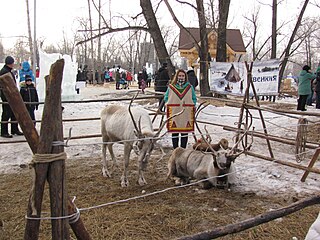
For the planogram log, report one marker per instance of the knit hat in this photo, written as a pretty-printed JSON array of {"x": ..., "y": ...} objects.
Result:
[
  {"x": 306, "y": 68},
  {"x": 27, "y": 78},
  {"x": 9, "y": 60}
]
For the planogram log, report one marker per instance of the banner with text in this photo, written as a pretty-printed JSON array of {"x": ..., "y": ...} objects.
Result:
[{"x": 231, "y": 78}]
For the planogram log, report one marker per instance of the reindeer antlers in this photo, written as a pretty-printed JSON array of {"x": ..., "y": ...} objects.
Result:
[
  {"x": 131, "y": 115},
  {"x": 245, "y": 133},
  {"x": 164, "y": 123}
]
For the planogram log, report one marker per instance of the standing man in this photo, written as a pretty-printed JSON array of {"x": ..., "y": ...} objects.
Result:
[
  {"x": 161, "y": 83},
  {"x": 6, "y": 109},
  {"x": 192, "y": 77}
]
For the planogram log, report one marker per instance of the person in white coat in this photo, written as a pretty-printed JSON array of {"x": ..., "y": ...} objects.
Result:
[{"x": 314, "y": 230}]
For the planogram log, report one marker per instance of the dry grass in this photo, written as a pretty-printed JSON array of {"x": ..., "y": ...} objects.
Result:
[{"x": 168, "y": 215}]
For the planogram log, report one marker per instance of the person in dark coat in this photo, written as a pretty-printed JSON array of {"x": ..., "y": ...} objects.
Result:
[
  {"x": 162, "y": 79},
  {"x": 161, "y": 83},
  {"x": 7, "y": 113},
  {"x": 29, "y": 94},
  {"x": 192, "y": 77},
  {"x": 317, "y": 88}
]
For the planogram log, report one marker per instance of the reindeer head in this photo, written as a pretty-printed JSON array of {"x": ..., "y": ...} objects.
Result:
[
  {"x": 222, "y": 156},
  {"x": 145, "y": 142}
]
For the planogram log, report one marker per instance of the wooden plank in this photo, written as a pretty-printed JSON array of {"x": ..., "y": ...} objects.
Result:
[{"x": 310, "y": 166}]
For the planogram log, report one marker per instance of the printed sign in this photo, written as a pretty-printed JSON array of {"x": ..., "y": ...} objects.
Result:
[{"x": 231, "y": 78}]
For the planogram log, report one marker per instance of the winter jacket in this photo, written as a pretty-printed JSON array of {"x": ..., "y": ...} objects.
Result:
[
  {"x": 29, "y": 94},
  {"x": 192, "y": 78},
  {"x": 317, "y": 81},
  {"x": 4, "y": 70},
  {"x": 25, "y": 70},
  {"x": 162, "y": 79},
  {"x": 305, "y": 79}
]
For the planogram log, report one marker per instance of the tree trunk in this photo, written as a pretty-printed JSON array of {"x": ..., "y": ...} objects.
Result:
[
  {"x": 99, "y": 45},
  {"x": 203, "y": 53},
  {"x": 92, "y": 51},
  {"x": 156, "y": 35},
  {"x": 222, "y": 30},
  {"x": 287, "y": 50},
  {"x": 274, "y": 30},
  {"x": 29, "y": 33}
]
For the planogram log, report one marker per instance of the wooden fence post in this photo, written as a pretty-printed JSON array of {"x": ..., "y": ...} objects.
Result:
[{"x": 51, "y": 130}]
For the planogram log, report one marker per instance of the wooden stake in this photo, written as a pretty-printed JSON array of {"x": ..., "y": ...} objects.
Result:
[{"x": 312, "y": 162}]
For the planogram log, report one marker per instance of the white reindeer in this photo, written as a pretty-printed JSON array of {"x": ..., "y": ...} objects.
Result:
[{"x": 119, "y": 123}]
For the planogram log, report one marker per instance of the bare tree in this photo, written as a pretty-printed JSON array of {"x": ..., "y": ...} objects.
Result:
[
  {"x": 91, "y": 40},
  {"x": 274, "y": 29},
  {"x": 286, "y": 52},
  {"x": 29, "y": 32},
  {"x": 156, "y": 35},
  {"x": 222, "y": 30}
]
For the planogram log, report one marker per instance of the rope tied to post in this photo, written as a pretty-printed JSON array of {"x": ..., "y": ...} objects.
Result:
[
  {"x": 47, "y": 158},
  {"x": 42, "y": 158}
]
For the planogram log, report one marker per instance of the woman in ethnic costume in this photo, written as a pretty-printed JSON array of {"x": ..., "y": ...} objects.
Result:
[{"x": 180, "y": 95}]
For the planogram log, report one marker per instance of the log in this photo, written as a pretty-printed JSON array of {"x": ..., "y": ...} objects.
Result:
[
  {"x": 48, "y": 135},
  {"x": 78, "y": 227},
  {"x": 252, "y": 222},
  {"x": 52, "y": 131}
]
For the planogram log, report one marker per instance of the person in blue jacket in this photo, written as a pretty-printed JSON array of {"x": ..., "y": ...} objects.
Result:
[{"x": 25, "y": 70}]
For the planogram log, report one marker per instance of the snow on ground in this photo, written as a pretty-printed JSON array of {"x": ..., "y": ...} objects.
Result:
[{"x": 253, "y": 175}]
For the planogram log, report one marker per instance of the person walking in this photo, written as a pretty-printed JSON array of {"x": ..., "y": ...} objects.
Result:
[
  {"x": 7, "y": 113},
  {"x": 29, "y": 93},
  {"x": 317, "y": 88},
  {"x": 117, "y": 79},
  {"x": 304, "y": 87},
  {"x": 192, "y": 78},
  {"x": 129, "y": 77},
  {"x": 179, "y": 96}
]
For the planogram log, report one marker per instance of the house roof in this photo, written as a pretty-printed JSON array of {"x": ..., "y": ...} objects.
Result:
[{"x": 234, "y": 39}]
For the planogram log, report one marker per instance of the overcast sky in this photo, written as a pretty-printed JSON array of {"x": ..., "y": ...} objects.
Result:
[{"x": 56, "y": 17}]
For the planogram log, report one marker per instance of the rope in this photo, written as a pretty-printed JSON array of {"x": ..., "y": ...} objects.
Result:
[
  {"x": 301, "y": 139},
  {"x": 42, "y": 158}
]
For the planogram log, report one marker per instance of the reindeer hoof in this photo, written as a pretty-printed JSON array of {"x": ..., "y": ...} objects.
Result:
[
  {"x": 124, "y": 182},
  {"x": 106, "y": 173},
  {"x": 142, "y": 182}
]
